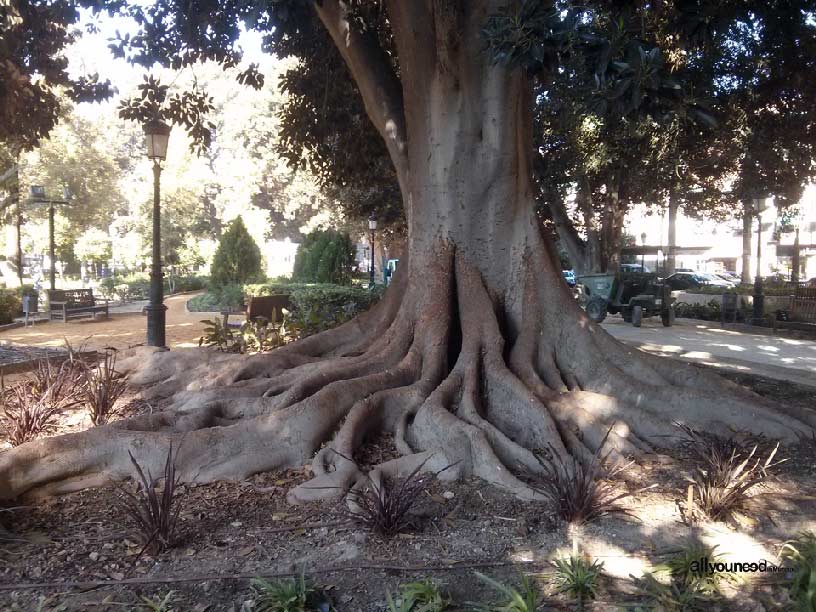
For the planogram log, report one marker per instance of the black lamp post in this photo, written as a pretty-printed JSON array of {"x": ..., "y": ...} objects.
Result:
[
  {"x": 38, "y": 195},
  {"x": 758, "y": 314},
  {"x": 157, "y": 134},
  {"x": 643, "y": 253},
  {"x": 372, "y": 225}
]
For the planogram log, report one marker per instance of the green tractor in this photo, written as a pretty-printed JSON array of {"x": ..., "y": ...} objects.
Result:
[{"x": 636, "y": 295}]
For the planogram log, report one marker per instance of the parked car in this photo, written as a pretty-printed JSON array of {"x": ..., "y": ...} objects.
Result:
[
  {"x": 694, "y": 280},
  {"x": 637, "y": 268},
  {"x": 728, "y": 279},
  {"x": 569, "y": 276}
]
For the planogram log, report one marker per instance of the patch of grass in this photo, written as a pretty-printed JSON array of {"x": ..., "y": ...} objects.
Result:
[
  {"x": 578, "y": 578},
  {"x": 153, "y": 508},
  {"x": 801, "y": 553},
  {"x": 158, "y": 603},
  {"x": 103, "y": 385},
  {"x": 578, "y": 493},
  {"x": 385, "y": 507},
  {"x": 420, "y": 596},
  {"x": 681, "y": 584},
  {"x": 728, "y": 473},
  {"x": 525, "y": 598},
  {"x": 290, "y": 595}
]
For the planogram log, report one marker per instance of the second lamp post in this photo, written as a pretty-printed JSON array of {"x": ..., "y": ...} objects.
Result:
[
  {"x": 372, "y": 225},
  {"x": 157, "y": 134}
]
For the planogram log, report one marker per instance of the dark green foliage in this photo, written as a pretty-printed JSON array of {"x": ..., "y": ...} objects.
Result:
[
  {"x": 325, "y": 256},
  {"x": 217, "y": 299},
  {"x": 321, "y": 306},
  {"x": 10, "y": 306},
  {"x": 705, "y": 312},
  {"x": 154, "y": 507},
  {"x": 237, "y": 259},
  {"x": 801, "y": 554}
]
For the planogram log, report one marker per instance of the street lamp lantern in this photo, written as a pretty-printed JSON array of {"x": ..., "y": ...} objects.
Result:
[
  {"x": 643, "y": 252},
  {"x": 372, "y": 225},
  {"x": 157, "y": 135},
  {"x": 38, "y": 195}
]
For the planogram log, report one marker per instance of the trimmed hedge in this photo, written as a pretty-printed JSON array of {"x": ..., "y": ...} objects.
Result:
[
  {"x": 315, "y": 307},
  {"x": 10, "y": 305},
  {"x": 768, "y": 288}
]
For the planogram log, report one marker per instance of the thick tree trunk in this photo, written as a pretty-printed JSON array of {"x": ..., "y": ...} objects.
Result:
[{"x": 476, "y": 357}]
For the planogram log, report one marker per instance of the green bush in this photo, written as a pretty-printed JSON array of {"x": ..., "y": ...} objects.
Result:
[
  {"x": 325, "y": 256},
  {"x": 238, "y": 258},
  {"x": 10, "y": 305},
  {"x": 228, "y": 297},
  {"x": 706, "y": 312}
]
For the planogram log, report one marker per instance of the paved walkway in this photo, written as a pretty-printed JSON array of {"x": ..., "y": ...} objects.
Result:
[
  {"x": 706, "y": 342},
  {"x": 121, "y": 330}
]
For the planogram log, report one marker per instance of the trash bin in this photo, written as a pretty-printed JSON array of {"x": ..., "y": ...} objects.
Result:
[
  {"x": 30, "y": 305},
  {"x": 729, "y": 308}
]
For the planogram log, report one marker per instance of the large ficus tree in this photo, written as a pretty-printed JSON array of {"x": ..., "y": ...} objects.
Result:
[{"x": 477, "y": 355}]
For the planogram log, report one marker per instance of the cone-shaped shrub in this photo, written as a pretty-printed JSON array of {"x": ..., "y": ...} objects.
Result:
[{"x": 237, "y": 259}]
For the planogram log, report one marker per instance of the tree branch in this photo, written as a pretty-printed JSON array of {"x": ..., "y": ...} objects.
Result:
[
  {"x": 568, "y": 234},
  {"x": 375, "y": 77}
]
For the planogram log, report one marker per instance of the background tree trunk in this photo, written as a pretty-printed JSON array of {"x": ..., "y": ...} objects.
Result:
[
  {"x": 671, "y": 257},
  {"x": 747, "y": 231}
]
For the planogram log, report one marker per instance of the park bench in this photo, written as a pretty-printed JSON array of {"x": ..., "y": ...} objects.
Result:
[
  {"x": 66, "y": 303},
  {"x": 269, "y": 307}
]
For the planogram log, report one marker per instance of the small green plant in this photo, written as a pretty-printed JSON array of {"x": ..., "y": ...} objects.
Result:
[
  {"x": 159, "y": 604},
  {"x": 218, "y": 335},
  {"x": 727, "y": 474},
  {"x": 682, "y": 583},
  {"x": 801, "y": 553},
  {"x": 153, "y": 508},
  {"x": 262, "y": 335},
  {"x": 525, "y": 598},
  {"x": 581, "y": 493},
  {"x": 578, "y": 578},
  {"x": 103, "y": 385},
  {"x": 289, "y": 595},
  {"x": 420, "y": 596}
]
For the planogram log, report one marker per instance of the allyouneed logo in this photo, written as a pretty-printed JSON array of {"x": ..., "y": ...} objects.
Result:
[{"x": 705, "y": 566}]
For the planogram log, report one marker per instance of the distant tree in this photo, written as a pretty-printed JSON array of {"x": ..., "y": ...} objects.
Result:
[
  {"x": 93, "y": 245},
  {"x": 238, "y": 258},
  {"x": 326, "y": 256}
]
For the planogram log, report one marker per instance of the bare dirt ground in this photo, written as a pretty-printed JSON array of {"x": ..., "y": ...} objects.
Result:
[
  {"x": 76, "y": 553},
  {"x": 120, "y": 330}
]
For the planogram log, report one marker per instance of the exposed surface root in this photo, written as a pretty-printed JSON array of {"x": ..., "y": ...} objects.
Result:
[{"x": 463, "y": 378}]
